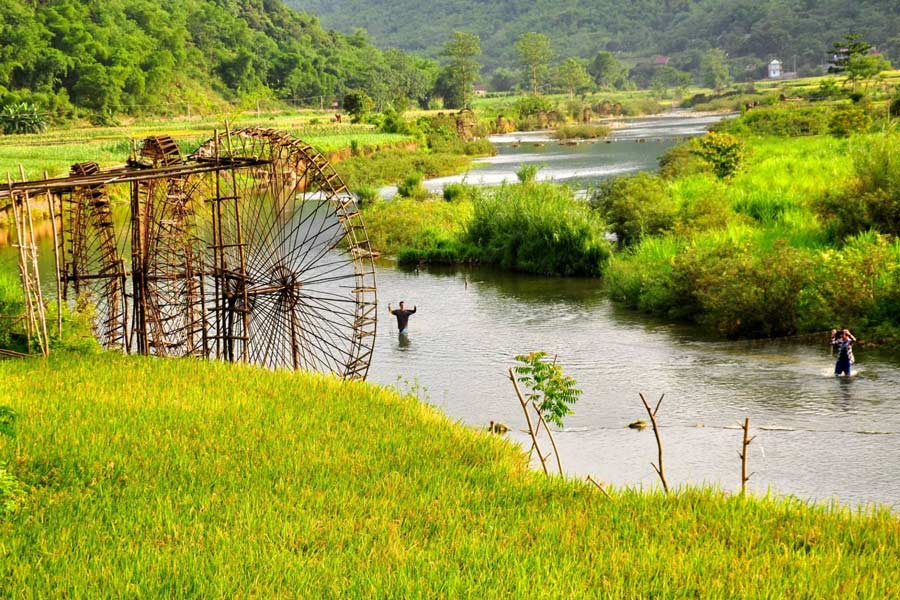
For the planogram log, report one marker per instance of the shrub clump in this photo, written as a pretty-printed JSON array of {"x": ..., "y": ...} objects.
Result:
[
  {"x": 635, "y": 206},
  {"x": 780, "y": 121},
  {"x": 872, "y": 200},
  {"x": 539, "y": 228}
]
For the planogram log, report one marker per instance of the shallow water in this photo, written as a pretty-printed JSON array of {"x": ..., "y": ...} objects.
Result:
[
  {"x": 635, "y": 145},
  {"x": 818, "y": 437}
]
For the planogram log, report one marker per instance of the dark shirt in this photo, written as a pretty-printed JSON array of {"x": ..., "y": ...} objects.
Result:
[
  {"x": 844, "y": 349},
  {"x": 402, "y": 317}
]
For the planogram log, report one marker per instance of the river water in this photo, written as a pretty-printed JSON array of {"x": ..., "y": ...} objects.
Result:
[{"x": 818, "y": 437}]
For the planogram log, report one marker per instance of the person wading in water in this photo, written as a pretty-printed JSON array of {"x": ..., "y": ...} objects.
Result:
[
  {"x": 402, "y": 317},
  {"x": 844, "y": 346}
]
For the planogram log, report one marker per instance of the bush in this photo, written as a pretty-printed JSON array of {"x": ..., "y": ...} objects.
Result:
[
  {"x": 412, "y": 187},
  {"x": 873, "y": 199},
  {"x": 582, "y": 131},
  {"x": 458, "y": 192},
  {"x": 393, "y": 122},
  {"x": 856, "y": 284},
  {"x": 742, "y": 290},
  {"x": 723, "y": 152},
  {"x": 780, "y": 121},
  {"x": 681, "y": 161},
  {"x": 527, "y": 173},
  {"x": 529, "y": 106},
  {"x": 849, "y": 120},
  {"x": 894, "y": 108},
  {"x": 367, "y": 195},
  {"x": 538, "y": 228},
  {"x": 21, "y": 118},
  {"x": 635, "y": 206},
  {"x": 358, "y": 104}
]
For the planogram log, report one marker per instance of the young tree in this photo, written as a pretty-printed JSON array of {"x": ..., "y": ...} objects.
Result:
[
  {"x": 667, "y": 77},
  {"x": 852, "y": 45},
  {"x": 714, "y": 69},
  {"x": 571, "y": 75},
  {"x": 460, "y": 74},
  {"x": 606, "y": 70},
  {"x": 535, "y": 53},
  {"x": 865, "y": 67}
]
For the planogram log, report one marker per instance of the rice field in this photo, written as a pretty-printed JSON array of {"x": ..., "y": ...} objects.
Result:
[
  {"x": 175, "y": 478},
  {"x": 55, "y": 151}
]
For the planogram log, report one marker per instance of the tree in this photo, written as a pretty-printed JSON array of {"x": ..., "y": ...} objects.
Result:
[
  {"x": 503, "y": 79},
  {"x": 358, "y": 103},
  {"x": 667, "y": 77},
  {"x": 852, "y": 45},
  {"x": 606, "y": 70},
  {"x": 535, "y": 53},
  {"x": 571, "y": 75},
  {"x": 460, "y": 74},
  {"x": 865, "y": 67},
  {"x": 714, "y": 69}
]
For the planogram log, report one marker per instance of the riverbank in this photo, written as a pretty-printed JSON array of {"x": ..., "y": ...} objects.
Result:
[
  {"x": 755, "y": 254},
  {"x": 302, "y": 482}
]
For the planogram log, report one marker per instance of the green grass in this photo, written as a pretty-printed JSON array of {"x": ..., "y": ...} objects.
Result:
[
  {"x": 175, "y": 478},
  {"x": 55, "y": 151}
]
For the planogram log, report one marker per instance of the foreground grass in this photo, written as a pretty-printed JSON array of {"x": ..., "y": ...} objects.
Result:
[{"x": 149, "y": 478}]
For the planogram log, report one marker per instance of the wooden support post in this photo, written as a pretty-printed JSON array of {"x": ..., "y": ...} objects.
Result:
[
  {"x": 30, "y": 324},
  {"x": 59, "y": 298},
  {"x": 658, "y": 468}
]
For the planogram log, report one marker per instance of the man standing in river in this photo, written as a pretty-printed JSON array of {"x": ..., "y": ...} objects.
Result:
[
  {"x": 844, "y": 347},
  {"x": 402, "y": 317}
]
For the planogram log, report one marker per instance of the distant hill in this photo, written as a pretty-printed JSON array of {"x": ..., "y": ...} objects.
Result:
[
  {"x": 106, "y": 57},
  {"x": 750, "y": 31}
]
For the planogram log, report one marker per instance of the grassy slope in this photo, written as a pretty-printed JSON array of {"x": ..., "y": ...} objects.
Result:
[{"x": 175, "y": 478}]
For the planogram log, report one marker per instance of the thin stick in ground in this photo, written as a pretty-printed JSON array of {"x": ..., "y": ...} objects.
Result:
[
  {"x": 745, "y": 477},
  {"x": 599, "y": 486},
  {"x": 657, "y": 467},
  {"x": 59, "y": 299},
  {"x": 531, "y": 429}
]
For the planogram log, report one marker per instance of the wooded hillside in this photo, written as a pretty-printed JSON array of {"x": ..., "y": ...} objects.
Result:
[
  {"x": 750, "y": 31},
  {"x": 106, "y": 57}
]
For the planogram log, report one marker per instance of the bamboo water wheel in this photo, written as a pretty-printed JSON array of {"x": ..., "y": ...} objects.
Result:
[{"x": 249, "y": 249}]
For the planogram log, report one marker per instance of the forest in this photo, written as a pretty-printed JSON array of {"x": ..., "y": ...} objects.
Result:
[
  {"x": 751, "y": 32},
  {"x": 102, "y": 58}
]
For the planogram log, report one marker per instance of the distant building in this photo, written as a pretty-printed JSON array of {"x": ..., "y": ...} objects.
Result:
[
  {"x": 775, "y": 69},
  {"x": 479, "y": 90},
  {"x": 661, "y": 61}
]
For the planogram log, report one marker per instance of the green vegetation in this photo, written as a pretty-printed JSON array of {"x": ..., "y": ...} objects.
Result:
[
  {"x": 582, "y": 131},
  {"x": 783, "y": 246},
  {"x": 101, "y": 59},
  {"x": 749, "y": 32},
  {"x": 186, "y": 478},
  {"x": 529, "y": 227},
  {"x": 56, "y": 150}
]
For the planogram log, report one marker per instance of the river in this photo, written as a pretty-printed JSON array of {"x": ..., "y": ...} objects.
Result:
[{"x": 818, "y": 437}]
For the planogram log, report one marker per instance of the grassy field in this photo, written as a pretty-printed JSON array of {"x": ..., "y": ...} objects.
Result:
[
  {"x": 56, "y": 150},
  {"x": 173, "y": 478}
]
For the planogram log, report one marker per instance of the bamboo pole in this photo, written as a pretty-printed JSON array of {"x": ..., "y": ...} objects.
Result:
[
  {"x": 659, "y": 469},
  {"x": 43, "y": 338},
  {"x": 59, "y": 298},
  {"x": 23, "y": 273}
]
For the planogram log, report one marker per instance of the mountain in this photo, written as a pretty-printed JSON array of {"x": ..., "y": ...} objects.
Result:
[
  {"x": 750, "y": 31},
  {"x": 105, "y": 57}
]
